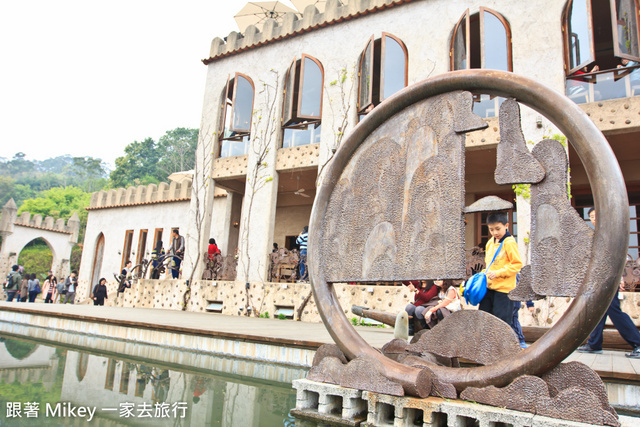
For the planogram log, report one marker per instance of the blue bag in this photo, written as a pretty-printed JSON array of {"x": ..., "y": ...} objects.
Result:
[{"x": 476, "y": 287}]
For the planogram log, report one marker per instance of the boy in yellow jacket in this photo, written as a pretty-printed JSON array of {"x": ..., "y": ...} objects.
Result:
[{"x": 501, "y": 276}]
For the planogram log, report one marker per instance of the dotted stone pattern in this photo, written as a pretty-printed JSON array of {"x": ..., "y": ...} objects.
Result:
[
  {"x": 328, "y": 350},
  {"x": 515, "y": 163},
  {"x": 329, "y": 370},
  {"x": 395, "y": 346},
  {"x": 364, "y": 374},
  {"x": 521, "y": 395},
  {"x": 577, "y": 374},
  {"x": 524, "y": 291},
  {"x": 297, "y": 157},
  {"x": 560, "y": 240},
  {"x": 576, "y": 404},
  {"x": 396, "y": 212},
  {"x": 480, "y": 337},
  {"x": 228, "y": 167},
  {"x": 571, "y": 391}
]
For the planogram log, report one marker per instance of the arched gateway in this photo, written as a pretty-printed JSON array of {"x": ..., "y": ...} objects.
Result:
[{"x": 17, "y": 231}]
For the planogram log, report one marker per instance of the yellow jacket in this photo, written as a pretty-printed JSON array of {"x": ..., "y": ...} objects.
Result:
[{"x": 506, "y": 265}]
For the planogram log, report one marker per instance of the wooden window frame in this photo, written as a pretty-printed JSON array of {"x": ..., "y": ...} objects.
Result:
[
  {"x": 467, "y": 40},
  {"x": 298, "y": 83},
  {"x": 100, "y": 239},
  {"x": 301, "y": 87},
  {"x": 370, "y": 46},
  {"x": 155, "y": 237},
  {"x": 253, "y": 100},
  {"x": 223, "y": 108},
  {"x": 614, "y": 26},
  {"x": 466, "y": 17},
  {"x": 224, "y": 105},
  {"x": 142, "y": 245},
  {"x": 616, "y": 51},
  {"x": 291, "y": 116},
  {"x": 378, "y": 67},
  {"x": 566, "y": 43},
  {"x": 507, "y": 29},
  {"x": 128, "y": 236},
  {"x": 383, "y": 58}
]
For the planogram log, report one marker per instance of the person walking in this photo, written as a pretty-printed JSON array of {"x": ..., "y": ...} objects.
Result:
[
  {"x": 177, "y": 249},
  {"x": 621, "y": 321},
  {"x": 24, "y": 288},
  {"x": 49, "y": 288},
  {"x": 302, "y": 243},
  {"x": 34, "y": 287},
  {"x": 70, "y": 285},
  {"x": 13, "y": 282},
  {"x": 99, "y": 293}
]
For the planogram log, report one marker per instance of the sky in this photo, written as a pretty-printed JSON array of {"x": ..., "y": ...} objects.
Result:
[{"x": 88, "y": 77}]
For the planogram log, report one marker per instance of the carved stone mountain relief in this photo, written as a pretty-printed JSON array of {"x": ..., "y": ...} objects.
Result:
[{"x": 397, "y": 211}]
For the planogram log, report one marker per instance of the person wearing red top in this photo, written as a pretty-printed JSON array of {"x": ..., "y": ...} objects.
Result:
[
  {"x": 424, "y": 294},
  {"x": 213, "y": 248}
]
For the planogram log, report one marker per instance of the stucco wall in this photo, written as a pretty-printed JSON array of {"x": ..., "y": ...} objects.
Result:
[
  {"x": 289, "y": 222},
  {"x": 424, "y": 26},
  {"x": 114, "y": 223}
]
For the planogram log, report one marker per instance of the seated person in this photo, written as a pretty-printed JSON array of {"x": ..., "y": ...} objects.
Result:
[
  {"x": 577, "y": 86},
  {"x": 425, "y": 293},
  {"x": 448, "y": 302}
]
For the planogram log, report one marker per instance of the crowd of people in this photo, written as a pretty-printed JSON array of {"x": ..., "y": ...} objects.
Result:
[{"x": 25, "y": 287}]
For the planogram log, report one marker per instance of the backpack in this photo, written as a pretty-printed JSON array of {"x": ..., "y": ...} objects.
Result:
[{"x": 12, "y": 281}]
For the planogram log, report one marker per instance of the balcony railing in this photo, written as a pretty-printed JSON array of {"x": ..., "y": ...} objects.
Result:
[{"x": 602, "y": 85}]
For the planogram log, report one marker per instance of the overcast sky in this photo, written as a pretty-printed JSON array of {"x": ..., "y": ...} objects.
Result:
[{"x": 88, "y": 77}]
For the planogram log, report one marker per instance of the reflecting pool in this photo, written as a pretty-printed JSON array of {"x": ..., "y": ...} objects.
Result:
[{"x": 41, "y": 384}]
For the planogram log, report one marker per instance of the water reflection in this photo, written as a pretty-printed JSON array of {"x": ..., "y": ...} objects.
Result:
[{"x": 130, "y": 392}]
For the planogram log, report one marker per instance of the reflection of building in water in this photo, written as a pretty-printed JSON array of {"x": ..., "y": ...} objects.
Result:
[
  {"x": 91, "y": 380},
  {"x": 27, "y": 363}
]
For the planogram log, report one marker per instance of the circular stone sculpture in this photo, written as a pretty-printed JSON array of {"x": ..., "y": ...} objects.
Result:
[{"x": 605, "y": 265}]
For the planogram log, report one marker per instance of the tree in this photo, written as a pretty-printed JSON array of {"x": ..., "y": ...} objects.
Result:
[
  {"x": 90, "y": 172},
  {"x": 60, "y": 203},
  {"x": 149, "y": 162},
  {"x": 139, "y": 165},
  {"x": 178, "y": 148}
]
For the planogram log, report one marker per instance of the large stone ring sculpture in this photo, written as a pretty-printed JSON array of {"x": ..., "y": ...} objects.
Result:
[{"x": 609, "y": 246}]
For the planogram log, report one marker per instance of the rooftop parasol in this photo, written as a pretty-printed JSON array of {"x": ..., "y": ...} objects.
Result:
[{"x": 256, "y": 13}]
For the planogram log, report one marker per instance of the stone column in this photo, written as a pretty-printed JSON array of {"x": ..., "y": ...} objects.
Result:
[{"x": 8, "y": 217}]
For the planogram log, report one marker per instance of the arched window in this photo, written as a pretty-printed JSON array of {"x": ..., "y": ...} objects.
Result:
[
  {"x": 482, "y": 40},
  {"x": 302, "y": 109},
  {"x": 382, "y": 72},
  {"x": 611, "y": 70},
  {"x": 235, "y": 116}
]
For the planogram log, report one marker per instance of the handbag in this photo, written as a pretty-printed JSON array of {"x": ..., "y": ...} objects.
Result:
[
  {"x": 476, "y": 287},
  {"x": 37, "y": 288}
]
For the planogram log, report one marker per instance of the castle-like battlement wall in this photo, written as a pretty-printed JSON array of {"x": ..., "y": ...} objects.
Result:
[
  {"x": 334, "y": 12},
  {"x": 141, "y": 195}
]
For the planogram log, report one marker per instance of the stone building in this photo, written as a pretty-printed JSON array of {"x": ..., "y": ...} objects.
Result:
[{"x": 278, "y": 101}]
